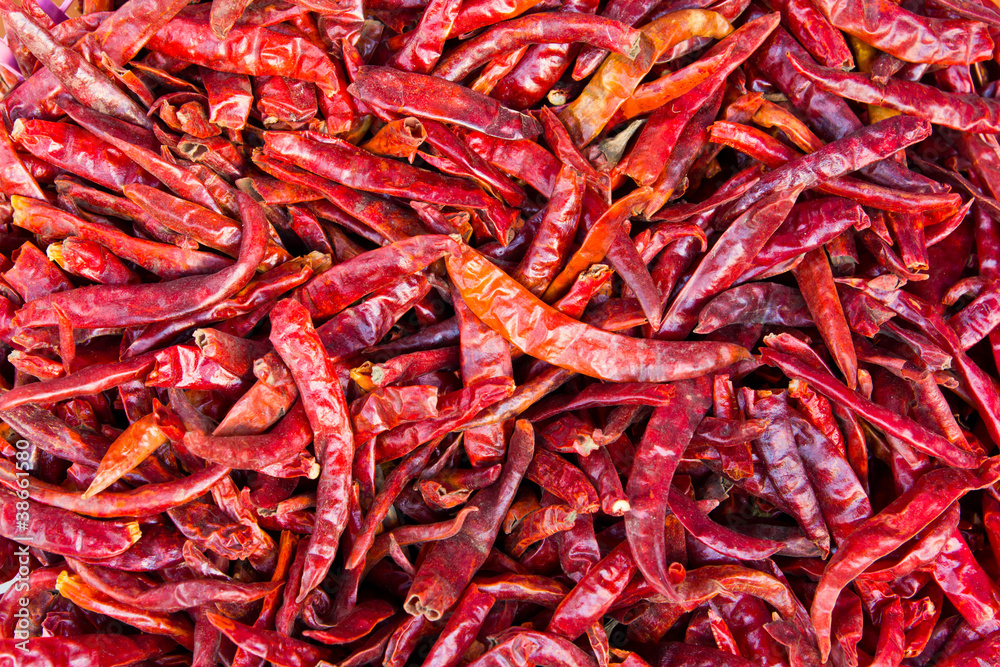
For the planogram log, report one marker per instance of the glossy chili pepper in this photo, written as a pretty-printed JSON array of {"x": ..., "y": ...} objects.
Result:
[
  {"x": 269, "y": 644},
  {"x": 137, "y": 442},
  {"x": 815, "y": 279},
  {"x": 78, "y": 76},
  {"x": 164, "y": 260},
  {"x": 657, "y": 459},
  {"x": 382, "y": 87},
  {"x": 122, "y": 136},
  {"x": 78, "y": 151},
  {"x": 206, "y": 227},
  {"x": 969, "y": 113},
  {"x": 424, "y": 46}
]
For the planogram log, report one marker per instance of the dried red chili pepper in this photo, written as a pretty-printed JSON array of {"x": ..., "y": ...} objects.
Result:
[
  {"x": 496, "y": 298},
  {"x": 685, "y": 453}
]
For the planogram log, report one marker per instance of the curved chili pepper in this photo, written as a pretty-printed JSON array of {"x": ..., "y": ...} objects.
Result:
[
  {"x": 383, "y": 87},
  {"x": 495, "y": 298},
  {"x": 145, "y": 500},
  {"x": 717, "y": 537},
  {"x": 550, "y": 245},
  {"x": 619, "y": 75},
  {"x": 657, "y": 457},
  {"x": 902, "y": 519},
  {"x": 594, "y": 594},
  {"x": 269, "y": 644},
  {"x": 78, "y": 76},
  {"x": 464, "y": 553},
  {"x": 730, "y": 256},
  {"x": 540, "y": 28},
  {"x": 137, "y": 442},
  {"x": 338, "y": 160},
  {"x": 204, "y": 226},
  {"x": 527, "y": 646},
  {"x": 912, "y": 38},
  {"x": 120, "y": 305},
  {"x": 164, "y": 260},
  {"x": 969, "y": 113},
  {"x": 254, "y": 452}
]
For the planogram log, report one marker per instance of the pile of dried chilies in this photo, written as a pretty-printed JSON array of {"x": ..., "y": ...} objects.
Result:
[{"x": 500, "y": 332}]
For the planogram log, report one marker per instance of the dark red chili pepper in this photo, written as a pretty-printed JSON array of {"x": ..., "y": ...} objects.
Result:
[
  {"x": 430, "y": 595},
  {"x": 91, "y": 306},
  {"x": 365, "y": 393}
]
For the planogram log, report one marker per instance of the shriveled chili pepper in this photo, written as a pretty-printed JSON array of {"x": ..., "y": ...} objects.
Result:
[
  {"x": 91, "y": 306},
  {"x": 429, "y": 595},
  {"x": 538, "y": 29},
  {"x": 436, "y": 359},
  {"x": 968, "y": 113},
  {"x": 295, "y": 339},
  {"x": 912, "y": 38},
  {"x": 493, "y": 296},
  {"x": 924, "y": 502},
  {"x": 618, "y": 76}
]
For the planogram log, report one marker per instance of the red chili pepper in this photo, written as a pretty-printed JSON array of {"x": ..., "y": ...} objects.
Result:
[{"x": 454, "y": 310}]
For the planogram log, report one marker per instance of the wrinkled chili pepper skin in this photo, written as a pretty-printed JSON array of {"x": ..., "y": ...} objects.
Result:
[
  {"x": 339, "y": 161},
  {"x": 539, "y": 330},
  {"x": 393, "y": 91},
  {"x": 911, "y": 38},
  {"x": 299, "y": 345},
  {"x": 64, "y": 533},
  {"x": 594, "y": 594},
  {"x": 785, "y": 468},
  {"x": 82, "y": 79},
  {"x": 969, "y": 113},
  {"x": 80, "y": 152},
  {"x": 618, "y": 76},
  {"x": 538, "y": 29},
  {"x": 92, "y": 306},
  {"x": 529, "y": 646},
  {"x": 494, "y": 350},
  {"x": 100, "y": 650},
  {"x": 926, "y": 500},
  {"x": 247, "y": 49},
  {"x": 430, "y": 595},
  {"x": 659, "y": 452}
]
